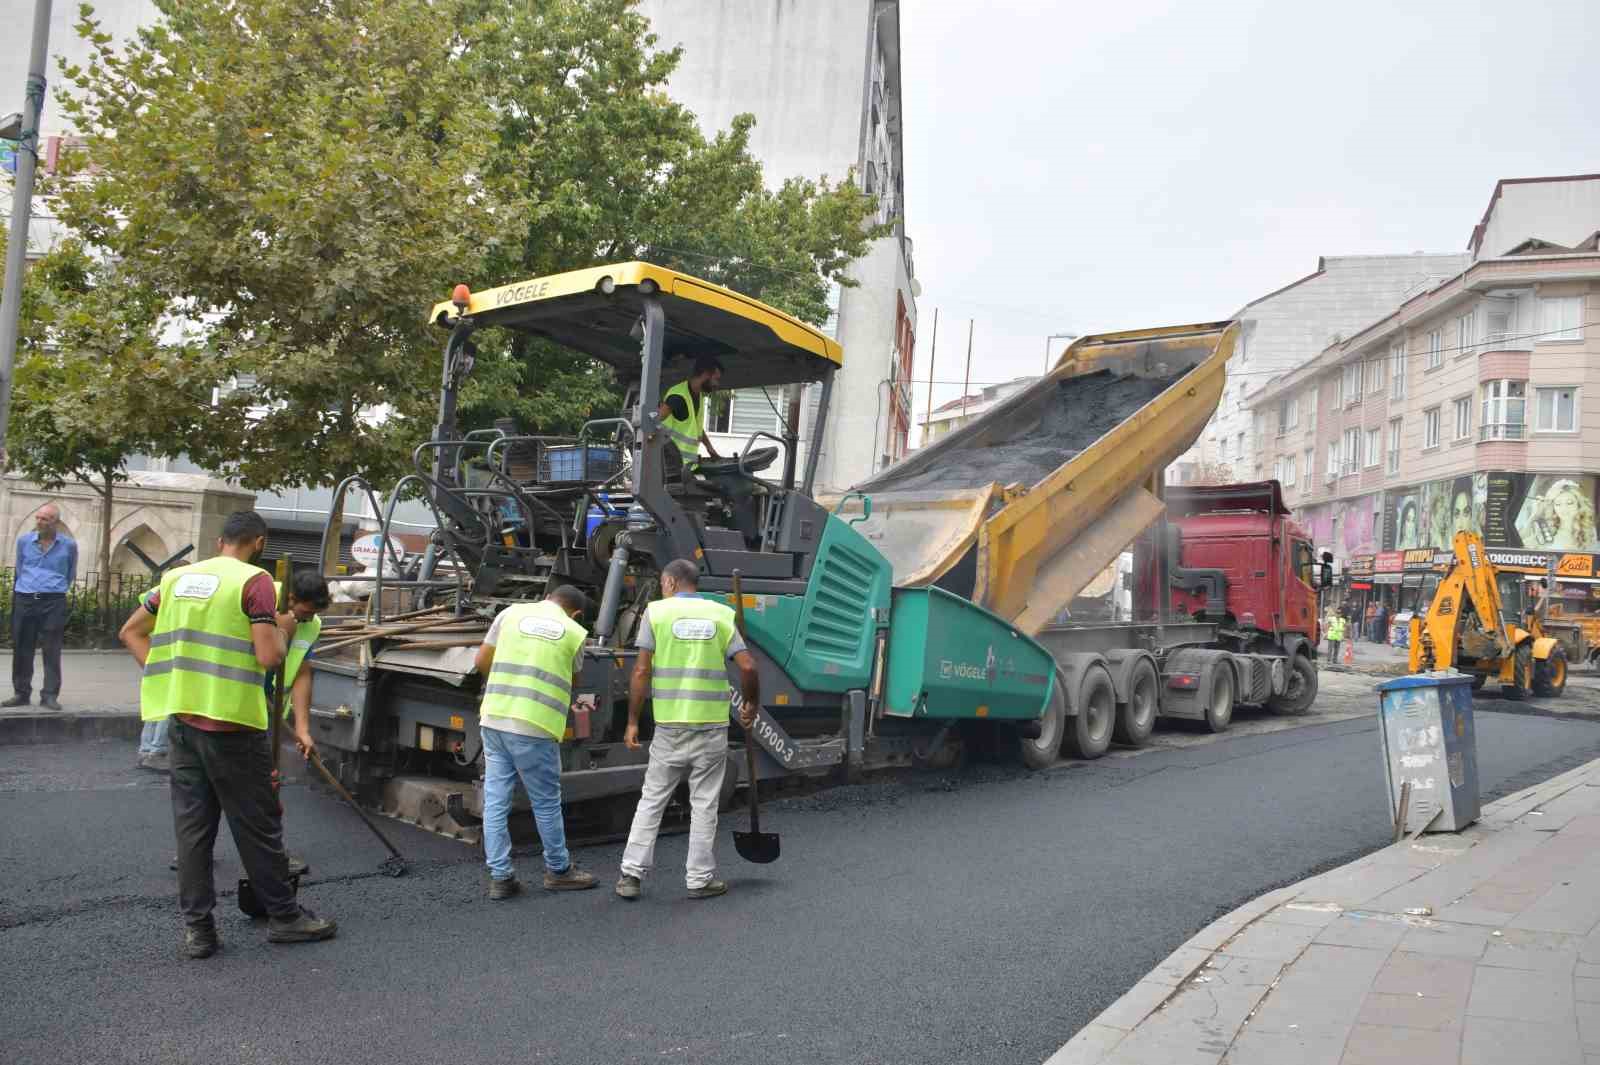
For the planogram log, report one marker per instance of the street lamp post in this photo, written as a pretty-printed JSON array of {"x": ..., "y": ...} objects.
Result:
[
  {"x": 1054, "y": 336},
  {"x": 27, "y": 136}
]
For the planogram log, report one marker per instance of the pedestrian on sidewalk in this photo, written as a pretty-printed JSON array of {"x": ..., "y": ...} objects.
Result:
[
  {"x": 528, "y": 661},
  {"x": 1336, "y": 626},
  {"x": 1372, "y": 623},
  {"x": 46, "y": 566},
  {"x": 685, "y": 643},
  {"x": 206, "y": 640}
]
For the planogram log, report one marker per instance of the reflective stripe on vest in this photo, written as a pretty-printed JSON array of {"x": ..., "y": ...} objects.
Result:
[
  {"x": 684, "y": 432},
  {"x": 530, "y": 678},
  {"x": 689, "y": 673},
  {"x": 202, "y": 660}
]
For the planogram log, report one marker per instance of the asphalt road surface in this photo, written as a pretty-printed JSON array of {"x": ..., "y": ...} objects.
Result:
[{"x": 980, "y": 916}]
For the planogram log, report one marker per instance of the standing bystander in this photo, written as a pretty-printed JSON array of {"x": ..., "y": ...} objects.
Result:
[{"x": 47, "y": 564}]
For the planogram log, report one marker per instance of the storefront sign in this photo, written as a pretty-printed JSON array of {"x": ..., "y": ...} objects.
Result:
[
  {"x": 1389, "y": 562},
  {"x": 1419, "y": 558},
  {"x": 1360, "y": 567}
]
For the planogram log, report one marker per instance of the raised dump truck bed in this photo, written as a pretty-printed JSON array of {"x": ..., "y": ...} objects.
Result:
[
  {"x": 1025, "y": 507},
  {"x": 1021, "y": 509}
]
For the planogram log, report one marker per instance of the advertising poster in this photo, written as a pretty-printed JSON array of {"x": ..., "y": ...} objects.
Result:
[
  {"x": 1531, "y": 511},
  {"x": 1356, "y": 526}
]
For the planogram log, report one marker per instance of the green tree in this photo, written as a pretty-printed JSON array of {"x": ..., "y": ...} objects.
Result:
[
  {"x": 308, "y": 178},
  {"x": 95, "y": 383}
]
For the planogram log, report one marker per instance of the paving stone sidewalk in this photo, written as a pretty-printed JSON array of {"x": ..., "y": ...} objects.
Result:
[
  {"x": 99, "y": 699},
  {"x": 1481, "y": 948}
]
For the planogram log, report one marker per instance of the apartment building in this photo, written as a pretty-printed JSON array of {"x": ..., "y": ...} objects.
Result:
[
  {"x": 1473, "y": 405},
  {"x": 1289, "y": 327},
  {"x": 948, "y": 417}
]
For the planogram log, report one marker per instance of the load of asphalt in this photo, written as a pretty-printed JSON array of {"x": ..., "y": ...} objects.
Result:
[{"x": 1084, "y": 409}]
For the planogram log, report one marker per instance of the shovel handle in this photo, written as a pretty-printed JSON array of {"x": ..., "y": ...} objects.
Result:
[
  {"x": 749, "y": 733},
  {"x": 285, "y": 572}
]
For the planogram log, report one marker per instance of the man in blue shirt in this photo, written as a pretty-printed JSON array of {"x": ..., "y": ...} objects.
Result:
[{"x": 47, "y": 564}]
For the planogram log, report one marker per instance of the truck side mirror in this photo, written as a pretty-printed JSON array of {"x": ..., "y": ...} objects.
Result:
[{"x": 1325, "y": 574}]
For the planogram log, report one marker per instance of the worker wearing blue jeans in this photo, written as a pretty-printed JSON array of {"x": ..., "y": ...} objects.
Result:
[{"x": 506, "y": 757}]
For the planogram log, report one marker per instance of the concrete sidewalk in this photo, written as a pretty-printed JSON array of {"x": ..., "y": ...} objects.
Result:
[
  {"x": 99, "y": 699},
  {"x": 1481, "y": 948}
]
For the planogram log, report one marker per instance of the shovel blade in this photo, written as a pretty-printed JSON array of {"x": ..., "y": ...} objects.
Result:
[{"x": 758, "y": 847}]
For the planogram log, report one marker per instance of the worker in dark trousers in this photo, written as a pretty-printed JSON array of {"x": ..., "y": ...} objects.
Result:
[
  {"x": 205, "y": 640},
  {"x": 685, "y": 643}
]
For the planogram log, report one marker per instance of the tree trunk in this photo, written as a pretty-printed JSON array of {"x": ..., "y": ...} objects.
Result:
[{"x": 106, "y": 498}]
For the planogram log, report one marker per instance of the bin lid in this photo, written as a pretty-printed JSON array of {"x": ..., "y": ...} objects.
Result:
[{"x": 1426, "y": 680}]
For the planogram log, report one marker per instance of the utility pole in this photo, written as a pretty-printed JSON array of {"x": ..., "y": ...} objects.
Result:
[
  {"x": 21, "y": 202},
  {"x": 966, "y": 381},
  {"x": 933, "y": 353}
]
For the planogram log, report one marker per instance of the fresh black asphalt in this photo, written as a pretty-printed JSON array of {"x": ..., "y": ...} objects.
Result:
[{"x": 980, "y": 916}]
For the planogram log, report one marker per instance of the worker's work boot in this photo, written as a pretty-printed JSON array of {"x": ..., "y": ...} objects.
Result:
[
  {"x": 709, "y": 891},
  {"x": 156, "y": 762},
  {"x": 298, "y": 866},
  {"x": 304, "y": 927},
  {"x": 17, "y": 700},
  {"x": 569, "y": 879},
  {"x": 200, "y": 940},
  {"x": 628, "y": 887},
  {"x": 504, "y": 889}
]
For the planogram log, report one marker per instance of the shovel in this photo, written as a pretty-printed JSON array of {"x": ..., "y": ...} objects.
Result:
[
  {"x": 755, "y": 845},
  {"x": 248, "y": 902}
]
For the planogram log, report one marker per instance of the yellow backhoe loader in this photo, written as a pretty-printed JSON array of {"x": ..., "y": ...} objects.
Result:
[{"x": 1482, "y": 622}]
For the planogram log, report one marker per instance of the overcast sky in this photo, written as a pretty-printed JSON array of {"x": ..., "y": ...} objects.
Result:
[{"x": 1077, "y": 167}]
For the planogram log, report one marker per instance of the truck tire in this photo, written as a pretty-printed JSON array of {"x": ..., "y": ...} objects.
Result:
[
  {"x": 1550, "y": 676},
  {"x": 1096, "y": 706},
  {"x": 1136, "y": 718},
  {"x": 1521, "y": 675},
  {"x": 1045, "y": 750},
  {"x": 1302, "y": 688},
  {"x": 1219, "y": 708}
]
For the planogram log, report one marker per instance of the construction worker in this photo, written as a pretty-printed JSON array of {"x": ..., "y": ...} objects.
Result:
[
  {"x": 1335, "y": 626},
  {"x": 528, "y": 660},
  {"x": 205, "y": 639},
  {"x": 685, "y": 643},
  {"x": 683, "y": 408}
]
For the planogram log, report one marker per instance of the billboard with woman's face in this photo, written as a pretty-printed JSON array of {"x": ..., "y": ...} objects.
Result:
[
  {"x": 1543, "y": 512},
  {"x": 1558, "y": 514}
]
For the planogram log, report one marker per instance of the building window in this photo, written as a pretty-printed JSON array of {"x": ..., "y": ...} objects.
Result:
[
  {"x": 1503, "y": 410},
  {"x": 1464, "y": 338},
  {"x": 1394, "y": 445},
  {"x": 1397, "y": 371},
  {"x": 1288, "y": 415},
  {"x": 1222, "y": 449},
  {"x": 1430, "y": 427},
  {"x": 1352, "y": 451},
  {"x": 1333, "y": 459},
  {"x": 1286, "y": 471},
  {"x": 1239, "y": 442},
  {"x": 1463, "y": 411},
  {"x": 1311, "y": 468},
  {"x": 1372, "y": 370},
  {"x": 1374, "y": 448},
  {"x": 1502, "y": 324},
  {"x": 1350, "y": 386},
  {"x": 1556, "y": 410},
  {"x": 1311, "y": 409},
  {"x": 719, "y": 412},
  {"x": 1435, "y": 348},
  {"x": 1560, "y": 318}
]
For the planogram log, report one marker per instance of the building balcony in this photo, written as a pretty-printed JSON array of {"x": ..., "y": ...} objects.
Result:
[
  {"x": 1503, "y": 431},
  {"x": 1511, "y": 341}
]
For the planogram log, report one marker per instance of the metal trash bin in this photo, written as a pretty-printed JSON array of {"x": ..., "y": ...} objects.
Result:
[{"x": 1429, "y": 740}]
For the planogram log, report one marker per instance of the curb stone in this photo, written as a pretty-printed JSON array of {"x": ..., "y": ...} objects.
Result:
[{"x": 30, "y": 725}]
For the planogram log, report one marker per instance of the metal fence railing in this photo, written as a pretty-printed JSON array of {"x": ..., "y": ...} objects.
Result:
[{"x": 91, "y": 621}]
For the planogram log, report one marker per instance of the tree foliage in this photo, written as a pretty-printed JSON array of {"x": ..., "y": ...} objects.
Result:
[{"x": 306, "y": 179}]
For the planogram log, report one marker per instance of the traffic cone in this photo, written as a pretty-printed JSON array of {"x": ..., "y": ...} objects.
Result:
[{"x": 1349, "y": 652}]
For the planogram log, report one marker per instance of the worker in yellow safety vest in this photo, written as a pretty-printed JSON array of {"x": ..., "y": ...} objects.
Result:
[
  {"x": 1335, "y": 628},
  {"x": 682, "y": 411},
  {"x": 528, "y": 660},
  {"x": 205, "y": 640},
  {"x": 685, "y": 644}
]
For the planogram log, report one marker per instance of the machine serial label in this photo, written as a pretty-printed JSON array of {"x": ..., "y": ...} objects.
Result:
[
  {"x": 196, "y": 586},
  {"x": 541, "y": 628}
]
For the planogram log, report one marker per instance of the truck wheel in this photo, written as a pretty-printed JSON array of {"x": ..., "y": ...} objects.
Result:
[
  {"x": 1219, "y": 709},
  {"x": 1550, "y": 676},
  {"x": 1136, "y": 718},
  {"x": 1045, "y": 750},
  {"x": 1302, "y": 688},
  {"x": 1090, "y": 733},
  {"x": 1521, "y": 675}
]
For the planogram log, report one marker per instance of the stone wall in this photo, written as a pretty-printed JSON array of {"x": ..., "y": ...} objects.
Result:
[{"x": 159, "y": 512}]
